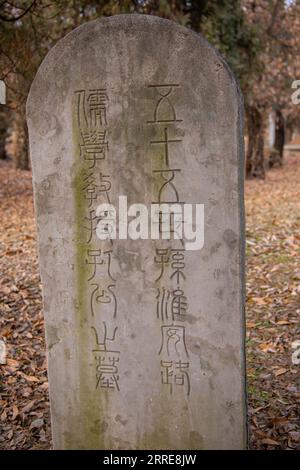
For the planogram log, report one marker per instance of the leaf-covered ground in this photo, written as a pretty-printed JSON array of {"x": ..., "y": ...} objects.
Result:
[{"x": 273, "y": 309}]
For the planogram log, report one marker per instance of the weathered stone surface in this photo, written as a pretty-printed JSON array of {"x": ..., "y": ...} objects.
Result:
[{"x": 170, "y": 374}]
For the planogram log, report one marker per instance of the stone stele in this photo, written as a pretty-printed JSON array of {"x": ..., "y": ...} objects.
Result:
[{"x": 145, "y": 339}]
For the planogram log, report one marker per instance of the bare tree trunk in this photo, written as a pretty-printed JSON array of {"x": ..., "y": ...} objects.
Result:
[
  {"x": 21, "y": 150},
  {"x": 289, "y": 129},
  {"x": 255, "y": 151},
  {"x": 276, "y": 155},
  {"x": 3, "y": 154},
  {"x": 3, "y": 135}
]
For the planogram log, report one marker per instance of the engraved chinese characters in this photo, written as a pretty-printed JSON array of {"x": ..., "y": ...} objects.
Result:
[
  {"x": 172, "y": 304},
  {"x": 144, "y": 336},
  {"x": 91, "y": 123}
]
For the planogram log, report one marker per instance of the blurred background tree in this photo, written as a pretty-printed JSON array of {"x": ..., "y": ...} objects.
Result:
[{"x": 258, "y": 38}]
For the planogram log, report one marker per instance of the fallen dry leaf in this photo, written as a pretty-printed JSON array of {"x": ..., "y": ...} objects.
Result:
[
  {"x": 37, "y": 423},
  {"x": 270, "y": 442},
  {"x": 280, "y": 372},
  {"x": 15, "y": 412}
]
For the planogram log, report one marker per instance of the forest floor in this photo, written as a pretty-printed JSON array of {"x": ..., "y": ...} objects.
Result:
[{"x": 273, "y": 310}]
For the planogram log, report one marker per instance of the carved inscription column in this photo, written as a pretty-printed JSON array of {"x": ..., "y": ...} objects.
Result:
[
  {"x": 169, "y": 259},
  {"x": 95, "y": 258}
]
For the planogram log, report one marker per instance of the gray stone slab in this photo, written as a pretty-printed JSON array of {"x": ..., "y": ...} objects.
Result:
[{"x": 145, "y": 339}]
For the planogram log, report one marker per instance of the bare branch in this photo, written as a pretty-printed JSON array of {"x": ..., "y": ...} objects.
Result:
[{"x": 16, "y": 18}]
